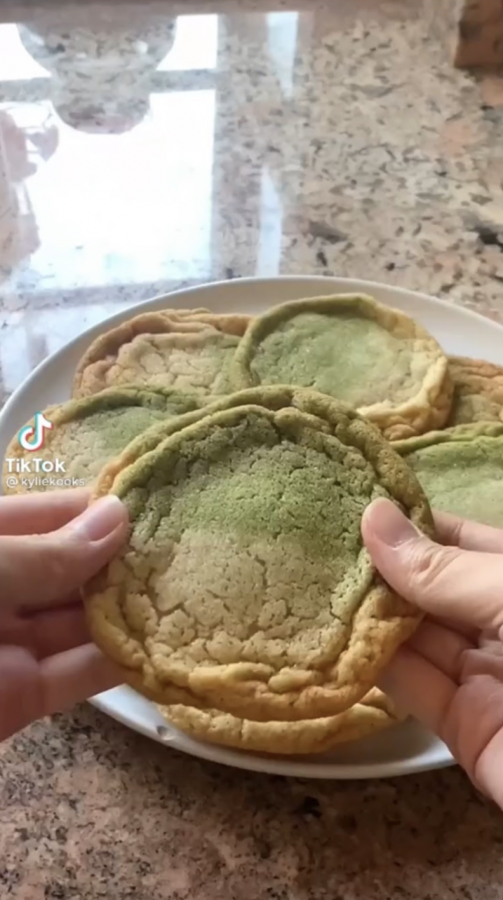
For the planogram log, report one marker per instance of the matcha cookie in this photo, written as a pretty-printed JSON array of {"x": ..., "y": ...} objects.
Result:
[
  {"x": 478, "y": 391},
  {"x": 162, "y": 350},
  {"x": 372, "y": 357},
  {"x": 270, "y": 397},
  {"x": 227, "y": 323},
  {"x": 461, "y": 470},
  {"x": 372, "y": 714},
  {"x": 86, "y": 434},
  {"x": 245, "y": 582}
]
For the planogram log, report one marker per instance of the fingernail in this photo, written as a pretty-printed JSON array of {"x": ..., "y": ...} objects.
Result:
[
  {"x": 100, "y": 519},
  {"x": 389, "y": 525}
]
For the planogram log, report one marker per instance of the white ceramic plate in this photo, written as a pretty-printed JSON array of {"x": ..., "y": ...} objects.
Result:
[{"x": 401, "y": 750}]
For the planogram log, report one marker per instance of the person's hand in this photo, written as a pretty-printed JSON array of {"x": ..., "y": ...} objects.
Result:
[
  {"x": 51, "y": 544},
  {"x": 450, "y": 673}
]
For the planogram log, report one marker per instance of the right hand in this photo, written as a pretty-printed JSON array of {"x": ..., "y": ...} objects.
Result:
[{"x": 450, "y": 673}]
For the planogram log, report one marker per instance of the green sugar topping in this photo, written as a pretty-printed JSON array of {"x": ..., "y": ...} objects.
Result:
[
  {"x": 251, "y": 480},
  {"x": 465, "y": 479},
  {"x": 352, "y": 358}
]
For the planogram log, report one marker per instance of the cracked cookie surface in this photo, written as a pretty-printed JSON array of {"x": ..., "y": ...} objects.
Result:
[
  {"x": 360, "y": 352},
  {"x": 245, "y": 583},
  {"x": 478, "y": 391},
  {"x": 373, "y": 713},
  {"x": 87, "y": 433},
  {"x": 461, "y": 470},
  {"x": 161, "y": 350}
]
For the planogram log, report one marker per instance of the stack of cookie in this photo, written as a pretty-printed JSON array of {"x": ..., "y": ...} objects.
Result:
[{"x": 244, "y": 603}]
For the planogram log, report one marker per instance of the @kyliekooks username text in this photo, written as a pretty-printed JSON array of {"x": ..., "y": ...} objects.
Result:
[{"x": 38, "y": 473}]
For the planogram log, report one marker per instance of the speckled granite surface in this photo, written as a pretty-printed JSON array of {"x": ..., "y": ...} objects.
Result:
[
  {"x": 140, "y": 150},
  {"x": 336, "y": 140},
  {"x": 88, "y": 810}
]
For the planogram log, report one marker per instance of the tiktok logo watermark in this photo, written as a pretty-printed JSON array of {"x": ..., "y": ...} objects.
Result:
[
  {"x": 32, "y": 437},
  {"x": 35, "y": 472},
  {"x": 35, "y": 465}
]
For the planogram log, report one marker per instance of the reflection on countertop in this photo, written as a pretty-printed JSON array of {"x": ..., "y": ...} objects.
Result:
[{"x": 141, "y": 149}]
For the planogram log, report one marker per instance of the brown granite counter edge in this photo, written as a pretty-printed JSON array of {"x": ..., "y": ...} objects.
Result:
[{"x": 480, "y": 40}]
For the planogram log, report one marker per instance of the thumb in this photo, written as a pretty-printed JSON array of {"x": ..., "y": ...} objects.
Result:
[
  {"x": 42, "y": 570},
  {"x": 443, "y": 581}
]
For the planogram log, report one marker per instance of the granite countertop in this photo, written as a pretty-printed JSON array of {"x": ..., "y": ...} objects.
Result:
[{"x": 142, "y": 149}]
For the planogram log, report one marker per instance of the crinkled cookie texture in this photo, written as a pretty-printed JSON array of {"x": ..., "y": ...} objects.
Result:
[
  {"x": 360, "y": 352},
  {"x": 373, "y": 713},
  {"x": 161, "y": 350},
  {"x": 478, "y": 391},
  {"x": 274, "y": 398},
  {"x": 87, "y": 433},
  {"x": 245, "y": 582},
  {"x": 461, "y": 470},
  {"x": 227, "y": 323}
]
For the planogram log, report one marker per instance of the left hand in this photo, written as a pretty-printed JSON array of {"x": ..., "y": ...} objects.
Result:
[{"x": 50, "y": 545}]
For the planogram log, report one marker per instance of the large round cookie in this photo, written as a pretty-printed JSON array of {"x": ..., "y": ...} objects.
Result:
[
  {"x": 478, "y": 391},
  {"x": 373, "y": 713},
  {"x": 86, "y": 434},
  {"x": 461, "y": 470},
  {"x": 245, "y": 581},
  {"x": 353, "y": 348},
  {"x": 162, "y": 350}
]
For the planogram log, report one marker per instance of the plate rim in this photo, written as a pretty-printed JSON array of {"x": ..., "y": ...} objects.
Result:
[
  {"x": 285, "y": 767},
  {"x": 227, "y": 284},
  {"x": 245, "y": 760}
]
